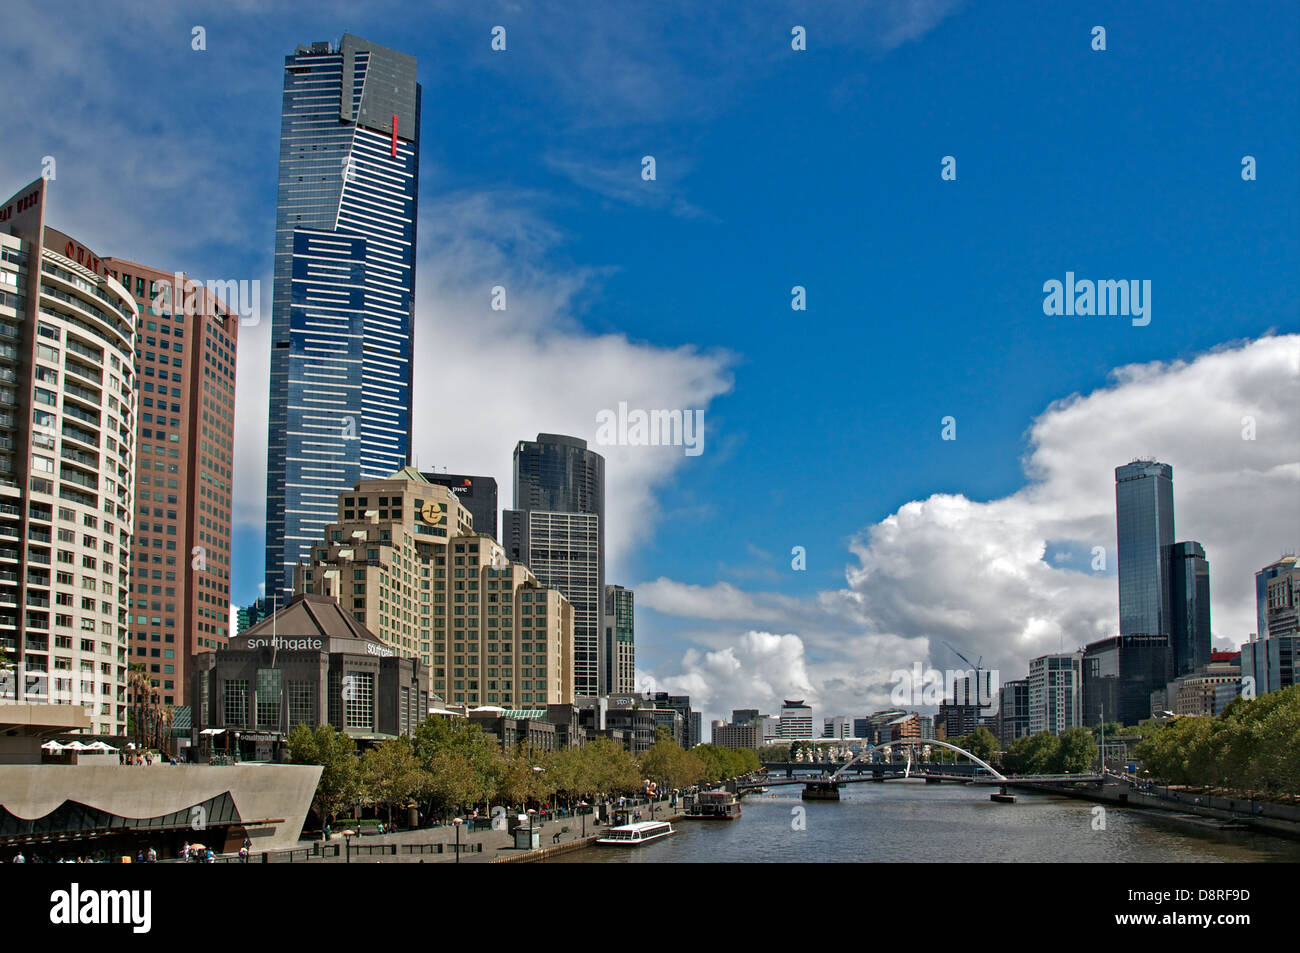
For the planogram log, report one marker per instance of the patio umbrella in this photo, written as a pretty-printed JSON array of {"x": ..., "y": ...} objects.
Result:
[
  {"x": 99, "y": 746},
  {"x": 76, "y": 746},
  {"x": 51, "y": 746}
]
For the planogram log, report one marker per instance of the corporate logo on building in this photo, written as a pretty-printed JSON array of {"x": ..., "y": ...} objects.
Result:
[
  {"x": 286, "y": 644},
  {"x": 76, "y": 907}
]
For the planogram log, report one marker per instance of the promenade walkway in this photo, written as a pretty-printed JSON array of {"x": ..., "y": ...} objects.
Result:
[{"x": 495, "y": 845}]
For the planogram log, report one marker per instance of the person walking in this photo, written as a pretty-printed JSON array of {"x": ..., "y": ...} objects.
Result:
[
  {"x": 243, "y": 855},
  {"x": 19, "y": 858}
]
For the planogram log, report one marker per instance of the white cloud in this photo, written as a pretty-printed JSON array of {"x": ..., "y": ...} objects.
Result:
[{"x": 978, "y": 575}]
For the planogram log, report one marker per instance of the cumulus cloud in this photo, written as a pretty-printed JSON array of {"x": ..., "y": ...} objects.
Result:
[{"x": 1013, "y": 578}]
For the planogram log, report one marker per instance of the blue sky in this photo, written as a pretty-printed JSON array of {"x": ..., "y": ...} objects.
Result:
[{"x": 777, "y": 168}]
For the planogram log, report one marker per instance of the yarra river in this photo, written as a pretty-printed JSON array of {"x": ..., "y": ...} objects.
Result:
[{"x": 911, "y": 821}]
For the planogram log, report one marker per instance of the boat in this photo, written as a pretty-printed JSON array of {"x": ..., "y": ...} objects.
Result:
[
  {"x": 634, "y": 835},
  {"x": 720, "y": 805},
  {"x": 821, "y": 791}
]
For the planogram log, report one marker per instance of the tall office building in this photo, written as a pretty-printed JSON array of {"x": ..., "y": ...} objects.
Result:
[
  {"x": 620, "y": 640},
  {"x": 796, "y": 719},
  {"x": 478, "y": 494},
  {"x": 1189, "y": 596},
  {"x": 180, "y": 557},
  {"x": 557, "y": 529},
  {"x": 1013, "y": 711},
  {"x": 1055, "y": 692},
  {"x": 1272, "y": 657},
  {"x": 67, "y": 468},
  {"x": 343, "y": 303},
  {"x": 1144, "y": 511}
]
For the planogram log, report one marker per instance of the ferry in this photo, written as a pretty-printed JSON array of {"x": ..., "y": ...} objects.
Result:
[
  {"x": 634, "y": 835},
  {"x": 720, "y": 805}
]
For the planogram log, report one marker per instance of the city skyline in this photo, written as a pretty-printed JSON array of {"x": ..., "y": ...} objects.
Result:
[{"x": 834, "y": 416}]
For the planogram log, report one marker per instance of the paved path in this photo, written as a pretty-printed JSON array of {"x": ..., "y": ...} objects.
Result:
[{"x": 497, "y": 845}]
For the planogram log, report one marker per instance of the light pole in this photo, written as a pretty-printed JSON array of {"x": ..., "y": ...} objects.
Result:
[{"x": 457, "y": 821}]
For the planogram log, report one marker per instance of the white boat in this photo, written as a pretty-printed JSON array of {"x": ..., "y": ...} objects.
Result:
[{"x": 634, "y": 835}]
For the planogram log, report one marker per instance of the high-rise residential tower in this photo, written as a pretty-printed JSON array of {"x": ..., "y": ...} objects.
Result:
[
  {"x": 67, "y": 468},
  {"x": 620, "y": 640},
  {"x": 1144, "y": 514},
  {"x": 343, "y": 308},
  {"x": 557, "y": 529}
]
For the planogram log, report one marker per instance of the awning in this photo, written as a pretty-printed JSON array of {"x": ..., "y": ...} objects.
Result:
[
  {"x": 51, "y": 746},
  {"x": 213, "y": 731}
]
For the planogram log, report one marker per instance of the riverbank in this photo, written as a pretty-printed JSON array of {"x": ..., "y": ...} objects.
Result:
[{"x": 1192, "y": 810}]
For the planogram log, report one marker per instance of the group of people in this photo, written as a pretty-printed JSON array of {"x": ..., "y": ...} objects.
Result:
[{"x": 198, "y": 854}]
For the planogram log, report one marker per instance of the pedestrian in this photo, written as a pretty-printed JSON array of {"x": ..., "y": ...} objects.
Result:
[
  {"x": 152, "y": 856},
  {"x": 248, "y": 844},
  {"x": 185, "y": 850},
  {"x": 243, "y": 855},
  {"x": 212, "y": 858},
  {"x": 19, "y": 858}
]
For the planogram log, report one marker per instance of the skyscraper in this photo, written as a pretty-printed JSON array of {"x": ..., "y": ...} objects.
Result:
[
  {"x": 1189, "y": 595},
  {"x": 180, "y": 558},
  {"x": 67, "y": 468},
  {"x": 478, "y": 494},
  {"x": 557, "y": 529},
  {"x": 343, "y": 309},
  {"x": 1144, "y": 512},
  {"x": 619, "y": 640}
]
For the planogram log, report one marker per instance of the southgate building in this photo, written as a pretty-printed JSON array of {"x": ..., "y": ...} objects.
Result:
[
  {"x": 343, "y": 302},
  {"x": 67, "y": 468}
]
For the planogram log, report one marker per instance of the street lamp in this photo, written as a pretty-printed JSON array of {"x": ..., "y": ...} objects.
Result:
[
  {"x": 457, "y": 821},
  {"x": 347, "y": 840},
  {"x": 584, "y": 818}
]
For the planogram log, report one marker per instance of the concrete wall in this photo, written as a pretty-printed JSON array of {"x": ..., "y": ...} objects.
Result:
[{"x": 260, "y": 791}]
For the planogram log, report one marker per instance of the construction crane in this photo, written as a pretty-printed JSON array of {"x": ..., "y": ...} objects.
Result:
[{"x": 975, "y": 666}]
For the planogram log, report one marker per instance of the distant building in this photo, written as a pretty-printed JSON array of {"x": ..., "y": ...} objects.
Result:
[
  {"x": 748, "y": 735},
  {"x": 1269, "y": 659},
  {"x": 1189, "y": 594},
  {"x": 557, "y": 529},
  {"x": 618, "y": 621},
  {"x": 840, "y": 726},
  {"x": 1055, "y": 692},
  {"x": 1197, "y": 693},
  {"x": 478, "y": 494},
  {"x": 250, "y": 615},
  {"x": 1013, "y": 711},
  {"x": 1119, "y": 675},
  {"x": 796, "y": 719}
]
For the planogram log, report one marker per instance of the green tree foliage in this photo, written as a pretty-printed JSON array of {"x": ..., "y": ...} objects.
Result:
[
  {"x": 982, "y": 743},
  {"x": 774, "y": 753},
  {"x": 1076, "y": 752},
  {"x": 1253, "y": 746},
  {"x": 666, "y": 763},
  {"x": 391, "y": 775},
  {"x": 1032, "y": 754},
  {"x": 340, "y": 785},
  {"x": 463, "y": 763},
  {"x": 723, "y": 763}
]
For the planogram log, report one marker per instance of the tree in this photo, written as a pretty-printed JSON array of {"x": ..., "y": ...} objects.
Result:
[
  {"x": 391, "y": 775},
  {"x": 1076, "y": 752},
  {"x": 340, "y": 784},
  {"x": 982, "y": 743},
  {"x": 464, "y": 764},
  {"x": 668, "y": 764},
  {"x": 1032, "y": 754}
]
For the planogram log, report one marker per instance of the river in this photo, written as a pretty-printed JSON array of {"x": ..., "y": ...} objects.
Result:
[{"x": 913, "y": 821}]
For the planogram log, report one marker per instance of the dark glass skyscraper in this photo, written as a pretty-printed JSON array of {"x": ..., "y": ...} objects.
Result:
[
  {"x": 1144, "y": 512},
  {"x": 557, "y": 529},
  {"x": 343, "y": 309},
  {"x": 1189, "y": 594}
]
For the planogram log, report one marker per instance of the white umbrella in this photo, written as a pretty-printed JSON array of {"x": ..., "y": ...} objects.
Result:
[
  {"x": 51, "y": 746},
  {"x": 76, "y": 746},
  {"x": 99, "y": 746}
]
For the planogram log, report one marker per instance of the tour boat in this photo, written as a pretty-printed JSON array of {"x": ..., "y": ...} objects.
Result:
[
  {"x": 717, "y": 805},
  {"x": 634, "y": 835}
]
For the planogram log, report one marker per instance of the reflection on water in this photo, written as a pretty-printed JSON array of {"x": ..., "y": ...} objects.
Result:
[{"x": 913, "y": 821}]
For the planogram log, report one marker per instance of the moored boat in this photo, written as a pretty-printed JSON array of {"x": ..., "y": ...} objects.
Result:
[
  {"x": 720, "y": 805},
  {"x": 634, "y": 835}
]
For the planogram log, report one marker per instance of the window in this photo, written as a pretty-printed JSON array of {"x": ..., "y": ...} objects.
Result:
[
  {"x": 236, "y": 708},
  {"x": 359, "y": 700},
  {"x": 268, "y": 698}
]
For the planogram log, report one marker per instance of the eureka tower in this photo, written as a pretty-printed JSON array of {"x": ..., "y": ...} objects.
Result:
[{"x": 343, "y": 301}]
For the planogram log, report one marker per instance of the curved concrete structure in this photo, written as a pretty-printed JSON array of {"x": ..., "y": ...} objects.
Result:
[{"x": 272, "y": 800}]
